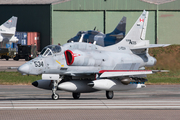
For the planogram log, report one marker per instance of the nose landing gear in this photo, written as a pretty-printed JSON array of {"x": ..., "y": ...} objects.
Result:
[{"x": 55, "y": 96}]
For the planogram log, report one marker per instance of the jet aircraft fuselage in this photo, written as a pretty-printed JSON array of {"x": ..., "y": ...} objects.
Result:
[{"x": 82, "y": 58}]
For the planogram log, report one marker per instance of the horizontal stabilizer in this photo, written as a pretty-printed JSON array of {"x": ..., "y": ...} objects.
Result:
[
  {"x": 7, "y": 33},
  {"x": 150, "y": 46}
]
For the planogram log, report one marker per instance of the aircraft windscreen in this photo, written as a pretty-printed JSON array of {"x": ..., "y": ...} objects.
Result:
[{"x": 50, "y": 50}]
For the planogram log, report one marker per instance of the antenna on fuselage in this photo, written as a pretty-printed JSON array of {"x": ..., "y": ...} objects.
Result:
[{"x": 95, "y": 28}]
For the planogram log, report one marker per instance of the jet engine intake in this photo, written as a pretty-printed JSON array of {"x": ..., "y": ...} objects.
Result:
[
  {"x": 80, "y": 58},
  {"x": 69, "y": 57}
]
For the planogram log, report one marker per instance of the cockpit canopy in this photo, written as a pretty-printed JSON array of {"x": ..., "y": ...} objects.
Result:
[{"x": 50, "y": 50}]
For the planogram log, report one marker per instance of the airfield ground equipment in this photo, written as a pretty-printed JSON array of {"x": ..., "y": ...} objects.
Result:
[
  {"x": 26, "y": 52},
  {"x": 6, "y": 53}
]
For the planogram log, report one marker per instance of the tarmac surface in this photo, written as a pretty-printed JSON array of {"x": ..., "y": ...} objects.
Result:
[
  {"x": 152, "y": 102},
  {"x": 21, "y": 102},
  {"x": 10, "y": 65}
]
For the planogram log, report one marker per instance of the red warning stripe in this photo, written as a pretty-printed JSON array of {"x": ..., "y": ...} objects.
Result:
[{"x": 102, "y": 71}]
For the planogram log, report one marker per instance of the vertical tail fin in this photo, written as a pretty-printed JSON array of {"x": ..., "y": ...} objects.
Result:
[
  {"x": 9, "y": 27},
  {"x": 137, "y": 33},
  {"x": 135, "y": 39},
  {"x": 120, "y": 28}
]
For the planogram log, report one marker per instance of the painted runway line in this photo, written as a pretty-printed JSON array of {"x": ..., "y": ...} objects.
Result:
[
  {"x": 95, "y": 104},
  {"x": 163, "y": 97}
]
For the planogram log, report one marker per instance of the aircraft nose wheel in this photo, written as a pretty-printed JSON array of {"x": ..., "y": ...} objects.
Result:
[
  {"x": 76, "y": 95},
  {"x": 55, "y": 96},
  {"x": 109, "y": 94}
]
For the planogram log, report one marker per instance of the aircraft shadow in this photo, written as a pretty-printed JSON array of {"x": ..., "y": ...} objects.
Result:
[{"x": 41, "y": 99}]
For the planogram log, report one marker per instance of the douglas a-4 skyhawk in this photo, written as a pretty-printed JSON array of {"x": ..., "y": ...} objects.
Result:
[
  {"x": 101, "y": 39},
  {"x": 80, "y": 67}
]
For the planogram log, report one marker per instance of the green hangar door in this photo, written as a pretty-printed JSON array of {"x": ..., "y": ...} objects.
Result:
[
  {"x": 114, "y": 17},
  {"x": 66, "y": 24},
  {"x": 168, "y": 27}
]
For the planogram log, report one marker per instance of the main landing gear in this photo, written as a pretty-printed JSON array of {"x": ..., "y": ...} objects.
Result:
[
  {"x": 76, "y": 95},
  {"x": 109, "y": 94}
]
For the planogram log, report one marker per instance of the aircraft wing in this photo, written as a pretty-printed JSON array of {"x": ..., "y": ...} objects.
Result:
[
  {"x": 79, "y": 73},
  {"x": 118, "y": 73},
  {"x": 150, "y": 46}
]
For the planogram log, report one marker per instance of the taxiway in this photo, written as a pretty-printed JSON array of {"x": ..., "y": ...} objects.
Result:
[
  {"x": 21, "y": 102},
  {"x": 29, "y": 97},
  {"x": 10, "y": 65}
]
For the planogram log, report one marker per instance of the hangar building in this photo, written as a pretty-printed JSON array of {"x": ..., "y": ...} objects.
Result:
[{"x": 59, "y": 20}]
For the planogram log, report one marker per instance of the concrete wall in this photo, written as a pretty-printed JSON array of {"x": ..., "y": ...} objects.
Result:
[{"x": 169, "y": 27}]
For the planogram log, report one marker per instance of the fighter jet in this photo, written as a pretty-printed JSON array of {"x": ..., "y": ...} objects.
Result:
[
  {"x": 100, "y": 38},
  {"x": 80, "y": 67},
  {"x": 7, "y": 30}
]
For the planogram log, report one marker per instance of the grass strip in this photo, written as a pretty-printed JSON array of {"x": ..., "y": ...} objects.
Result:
[{"x": 15, "y": 78}]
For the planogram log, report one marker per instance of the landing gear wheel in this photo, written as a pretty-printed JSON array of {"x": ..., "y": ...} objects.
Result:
[
  {"x": 55, "y": 96},
  {"x": 109, "y": 94},
  {"x": 16, "y": 58},
  {"x": 7, "y": 58},
  {"x": 76, "y": 95}
]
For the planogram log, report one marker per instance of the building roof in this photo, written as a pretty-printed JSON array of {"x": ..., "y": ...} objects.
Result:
[
  {"x": 157, "y": 2},
  {"x": 13, "y": 2},
  {"x": 17, "y": 2}
]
